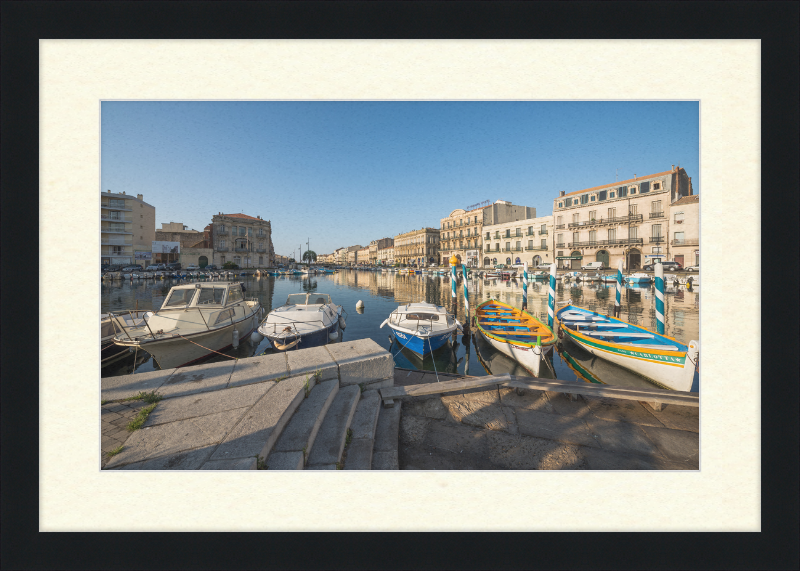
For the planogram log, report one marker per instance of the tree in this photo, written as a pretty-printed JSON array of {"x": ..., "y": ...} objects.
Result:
[{"x": 309, "y": 256}]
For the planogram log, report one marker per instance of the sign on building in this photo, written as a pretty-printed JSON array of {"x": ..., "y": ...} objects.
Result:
[
  {"x": 166, "y": 247},
  {"x": 143, "y": 255}
]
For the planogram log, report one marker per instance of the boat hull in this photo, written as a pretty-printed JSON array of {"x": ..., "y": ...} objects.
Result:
[
  {"x": 316, "y": 338},
  {"x": 420, "y": 345},
  {"x": 181, "y": 351},
  {"x": 528, "y": 357}
]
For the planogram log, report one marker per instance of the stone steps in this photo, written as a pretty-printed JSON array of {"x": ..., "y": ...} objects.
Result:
[
  {"x": 330, "y": 441},
  {"x": 365, "y": 421},
  {"x": 384, "y": 455},
  {"x": 297, "y": 440}
]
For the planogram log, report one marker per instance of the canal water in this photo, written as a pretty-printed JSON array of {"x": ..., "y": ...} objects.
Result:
[{"x": 382, "y": 292}]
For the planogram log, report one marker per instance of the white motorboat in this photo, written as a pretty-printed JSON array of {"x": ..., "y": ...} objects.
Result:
[
  {"x": 421, "y": 327},
  {"x": 195, "y": 321},
  {"x": 110, "y": 351},
  {"x": 305, "y": 320}
]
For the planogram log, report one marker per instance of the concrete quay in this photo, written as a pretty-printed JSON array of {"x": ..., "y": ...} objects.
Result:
[
  {"x": 495, "y": 428},
  {"x": 261, "y": 412}
]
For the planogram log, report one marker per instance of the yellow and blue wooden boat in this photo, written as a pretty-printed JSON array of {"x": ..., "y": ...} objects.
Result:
[
  {"x": 664, "y": 360},
  {"x": 515, "y": 333}
]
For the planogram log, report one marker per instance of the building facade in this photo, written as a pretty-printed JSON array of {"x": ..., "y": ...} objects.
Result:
[
  {"x": 340, "y": 255},
  {"x": 684, "y": 231},
  {"x": 386, "y": 256},
  {"x": 352, "y": 255},
  {"x": 529, "y": 240},
  {"x": 626, "y": 220},
  {"x": 418, "y": 247},
  {"x": 127, "y": 229},
  {"x": 363, "y": 254},
  {"x": 242, "y": 239},
  {"x": 462, "y": 230}
]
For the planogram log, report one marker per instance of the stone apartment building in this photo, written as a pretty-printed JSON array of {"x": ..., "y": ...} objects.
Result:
[
  {"x": 462, "y": 230},
  {"x": 418, "y": 247},
  {"x": 352, "y": 255},
  {"x": 626, "y": 220},
  {"x": 386, "y": 256},
  {"x": 363, "y": 256},
  {"x": 127, "y": 229},
  {"x": 684, "y": 231},
  {"x": 242, "y": 239},
  {"x": 528, "y": 240},
  {"x": 188, "y": 239}
]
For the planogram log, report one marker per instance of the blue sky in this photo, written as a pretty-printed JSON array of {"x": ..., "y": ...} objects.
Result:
[{"x": 345, "y": 173}]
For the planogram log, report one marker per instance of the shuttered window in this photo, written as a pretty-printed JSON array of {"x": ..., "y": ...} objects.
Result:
[{"x": 644, "y": 187}]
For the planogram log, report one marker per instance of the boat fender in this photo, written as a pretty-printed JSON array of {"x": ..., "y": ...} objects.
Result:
[
  {"x": 385, "y": 321},
  {"x": 333, "y": 336},
  {"x": 235, "y": 342},
  {"x": 359, "y": 303}
]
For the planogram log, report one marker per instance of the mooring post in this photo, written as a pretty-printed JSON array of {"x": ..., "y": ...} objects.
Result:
[
  {"x": 617, "y": 302},
  {"x": 551, "y": 297},
  {"x": 466, "y": 301},
  {"x": 659, "y": 298},
  {"x": 524, "y": 286}
]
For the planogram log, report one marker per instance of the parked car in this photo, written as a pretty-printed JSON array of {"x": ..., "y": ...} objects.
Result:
[
  {"x": 667, "y": 266},
  {"x": 174, "y": 266},
  {"x": 211, "y": 267},
  {"x": 132, "y": 268},
  {"x": 594, "y": 266},
  {"x": 152, "y": 267},
  {"x": 192, "y": 268},
  {"x": 693, "y": 268}
]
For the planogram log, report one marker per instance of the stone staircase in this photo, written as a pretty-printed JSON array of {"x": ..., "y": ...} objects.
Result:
[{"x": 316, "y": 408}]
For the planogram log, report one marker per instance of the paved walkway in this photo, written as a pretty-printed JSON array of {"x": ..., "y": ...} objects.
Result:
[{"x": 502, "y": 428}]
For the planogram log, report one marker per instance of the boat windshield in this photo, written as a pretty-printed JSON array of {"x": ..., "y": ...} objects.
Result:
[
  {"x": 211, "y": 295},
  {"x": 180, "y": 297},
  {"x": 421, "y": 316},
  {"x": 318, "y": 299},
  {"x": 296, "y": 299}
]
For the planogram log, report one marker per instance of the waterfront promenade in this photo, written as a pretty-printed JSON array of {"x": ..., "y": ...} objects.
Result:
[{"x": 320, "y": 408}]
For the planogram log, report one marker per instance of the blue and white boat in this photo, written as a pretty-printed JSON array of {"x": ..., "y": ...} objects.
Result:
[
  {"x": 421, "y": 327},
  {"x": 305, "y": 320}
]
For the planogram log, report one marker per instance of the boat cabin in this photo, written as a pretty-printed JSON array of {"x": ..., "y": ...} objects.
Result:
[{"x": 308, "y": 299}]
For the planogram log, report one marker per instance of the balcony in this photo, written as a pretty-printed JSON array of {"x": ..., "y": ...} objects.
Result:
[
  {"x": 220, "y": 232},
  {"x": 111, "y": 218},
  {"x": 530, "y": 233},
  {"x": 599, "y": 221},
  {"x": 543, "y": 233},
  {"x": 537, "y": 248},
  {"x": 221, "y": 249},
  {"x": 656, "y": 239},
  {"x": 261, "y": 250},
  {"x": 107, "y": 231},
  {"x": 515, "y": 249},
  {"x": 695, "y": 242},
  {"x": 559, "y": 226},
  {"x": 560, "y": 245},
  {"x": 656, "y": 215},
  {"x": 497, "y": 235},
  {"x": 119, "y": 208},
  {"x": 597, "y": 243}
]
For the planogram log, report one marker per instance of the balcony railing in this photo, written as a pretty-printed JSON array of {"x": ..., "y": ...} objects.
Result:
[
  {"x": 497, "y": 235},
  {"x": 560, "y": 245},
  {"x": 617, "y": 242},
  {"x": 543, "y": 233},
  {"x": 656, "y": 215},
  {"x": 559, "y": 226},
  {"x": 108, "y": 242},
  {"x": 534, "y": 248},
  {"x": 221, "y": 232},
  {"x": 222, "y": 249},
  {"x": 695, "y": 242},
  {"x": 514, "y": 249},
  {"x": 115, "y": 219},
  {"x": 108, "y": 231},
  {"x": 615, "y": 220},
  {"x": 530, "y": 233},
  {"x": 656, "y": 239}
]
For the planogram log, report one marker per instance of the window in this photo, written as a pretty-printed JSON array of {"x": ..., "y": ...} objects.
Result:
[
  {"x": 655, "y": 206},
  {"x": 530, "y": 243},
  {"x": 592, "y": 214},
  {"x": 568, "y": 202},
  {"x": 487, "y": 236},
  {"x": 543, "y": 229},
  {"x": 180, "y": 297},
  {"x": 476, "y": 220},
  {"x": 222, "y": 244},
  {"x": 593, "y": 198},
  {"x": 644, "y": 187},
  {"x": 519, "y": 245},
  {"x": 575, "y": 218},
  {"x": 656, "y": 249},
  {"x": 210, "y": 295},
  {"x": 612, "y": 235},
  {"x": 561, "y": 205},
  {"x": 633, "y": 232},
  {"x": 611, "y": 194},
  {"x": 576, "y": 236},
  {"x": 222, "y": 260},
  {"x": 508, "y": 246},
  {"x": 656, "y": 230},
  {"x": 114, "y": 203},
  {"x": 242, "y": 231},
  {"x": 222, "y": 228},
  {"x": 518, "y": 232},
  {"x": 235, "y": 294},
  {"x": 632, "y": 190},
  {"x": 602, "y": 195},
  {"x": 612, "y": 212},
  {"x": 593, "y": 236},
  {"x": 656, "y": 185},
  {"x": 544, "y": 243},
  {"x": 679, "y": 237},
  {"x": 560, "y": 238},
  {"x": 585, "y": 199},
  {"x": 622, "y": 192},
  {"x": 141, "y": 216},
  {"x": 633, "y": 210},
  {"x": 559, "y": 221},
  {"x": 679, "y": 218}
]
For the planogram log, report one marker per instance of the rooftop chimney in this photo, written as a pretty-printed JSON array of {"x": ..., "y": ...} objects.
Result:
[
  {"x": 673, "y": 167},
  {"x": 140, "y": 197},
  {"x": 562, "y": 193},
  {"x": 123, "y": 192}
]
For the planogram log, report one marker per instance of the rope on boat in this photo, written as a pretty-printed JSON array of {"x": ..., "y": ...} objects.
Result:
[
  {"x": 206, "y": 348},
  {"x": 433, "y": 359}
]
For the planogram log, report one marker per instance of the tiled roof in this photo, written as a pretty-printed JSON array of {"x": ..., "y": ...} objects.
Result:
[
  {"x": 245, "y": 216},
  {"x": 615, "y": 184},
  {"x": 687, "y": 200}
]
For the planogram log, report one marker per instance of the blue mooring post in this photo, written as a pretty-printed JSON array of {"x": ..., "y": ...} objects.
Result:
[
  {"x": 617, "y": 302},
  {"x": 525, "y": 286},
  {"x": 551, "y": 297},
  {"x": 466, "y": 300},
  {"x": 453, "y": 278},
  {"x": 660, "y": 298}
]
